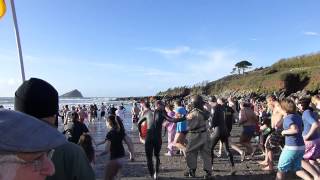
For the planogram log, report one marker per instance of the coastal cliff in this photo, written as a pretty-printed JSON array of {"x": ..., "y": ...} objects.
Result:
[{"x": 296, "y": 74}]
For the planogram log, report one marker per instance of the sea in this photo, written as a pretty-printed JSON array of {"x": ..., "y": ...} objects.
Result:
[{"x": 8, "y": 103}]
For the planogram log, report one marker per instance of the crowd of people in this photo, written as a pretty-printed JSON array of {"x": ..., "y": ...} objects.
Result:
[
  {"x": 288, "y": 125},
  {"x": 32, "y": 146},
  {"x": 77, "y": 119}
]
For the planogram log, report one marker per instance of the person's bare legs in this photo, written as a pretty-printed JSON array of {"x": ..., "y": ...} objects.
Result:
[
  {"x": 265, "y": 161},
  {"x": 315, "y": 164},
  {"x": 248, "y": 147},
  {"x": 302, "y": 174},
  {"x": 269, "y": 165},
  {"x": 280, "y": 175},
  {"x": 310, "y": 169},
  {"x": 112, "y": 169},
  {"x": 129, "y": 143},
  {"x": 245, "y": 142},
  {"x": 237, "y": 148},
  {"x": 179, "y": 141},
  {"x": 220, "y": 149},
  {"x": 261, "y": 145}
]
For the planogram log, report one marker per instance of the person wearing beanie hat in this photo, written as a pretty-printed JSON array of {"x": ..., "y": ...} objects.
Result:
[
  {"x": 40, "y": 99},
  {"x": 27, "y": 98}
]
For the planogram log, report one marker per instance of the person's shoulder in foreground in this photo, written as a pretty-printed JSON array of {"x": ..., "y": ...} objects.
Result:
[
  {"x": 24, "y": 146},
  {"x": 72, "y": 163}
]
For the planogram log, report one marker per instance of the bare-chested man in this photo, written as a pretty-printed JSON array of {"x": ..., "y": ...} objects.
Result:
[
  {"x": 275, "y": 139},
  {"x": 135, "y": 111}
]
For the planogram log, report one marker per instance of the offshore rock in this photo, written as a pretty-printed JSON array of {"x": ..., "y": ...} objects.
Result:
[{"x": 72, "y": 94}]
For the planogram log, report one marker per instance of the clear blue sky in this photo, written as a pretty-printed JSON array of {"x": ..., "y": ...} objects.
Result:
[{"x": 141, "y": 47}]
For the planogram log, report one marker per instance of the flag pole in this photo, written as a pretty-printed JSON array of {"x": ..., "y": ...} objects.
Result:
[{"x": 18, "y": 39}]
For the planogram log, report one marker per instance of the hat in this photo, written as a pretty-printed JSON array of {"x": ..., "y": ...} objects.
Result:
[
  {"x": 142, "y": 101},
  {"x": 197, "y": 101},
  {"x": 159, "y": 102},
  {"x": 20, "y": 132},
  {"x": 37, "y": 98},
  {"x": 305, "y": 101},
  {"x": 181, "y": 110},
  {"x": 212, "y": 99}
]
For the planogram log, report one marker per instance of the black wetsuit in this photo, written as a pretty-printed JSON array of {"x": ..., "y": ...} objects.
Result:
[
  {"x": 153, "y": 140},
  {"x": 228, "y": 117},
  {"x": 220, "y": 131}
]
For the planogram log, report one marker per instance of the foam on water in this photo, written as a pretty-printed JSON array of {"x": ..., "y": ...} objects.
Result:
[{"x": 8, "y": 102}]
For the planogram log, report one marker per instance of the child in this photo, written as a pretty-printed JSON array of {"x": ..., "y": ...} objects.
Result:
[
  {"x": 85, "y": 142},
  {"x": 293, "y": 151},
  {"x": 181, "y": 128},
  {"x": 114, "y": 146}
]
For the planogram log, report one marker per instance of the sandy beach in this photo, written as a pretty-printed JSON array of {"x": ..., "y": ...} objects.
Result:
[{"x": 174, "y": 167}]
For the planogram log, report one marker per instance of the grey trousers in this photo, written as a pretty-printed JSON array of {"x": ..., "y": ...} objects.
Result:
[{"x": 198, "y": 143}]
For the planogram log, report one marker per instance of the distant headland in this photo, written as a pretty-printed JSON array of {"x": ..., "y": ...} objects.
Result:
[{"x": 72, "y": 94}]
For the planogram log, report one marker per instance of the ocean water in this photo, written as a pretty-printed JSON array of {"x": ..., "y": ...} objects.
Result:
[{"x": 8, "y": 102}]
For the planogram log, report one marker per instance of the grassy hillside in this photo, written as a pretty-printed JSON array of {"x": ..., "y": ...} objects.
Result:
[{"x": 292, "y": 74}]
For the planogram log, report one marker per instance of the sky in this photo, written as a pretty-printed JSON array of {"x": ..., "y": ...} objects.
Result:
[{"x": 117, "y": 48}]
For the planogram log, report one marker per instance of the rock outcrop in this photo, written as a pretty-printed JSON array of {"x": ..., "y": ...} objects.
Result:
[{"x": 72, "y": 94}]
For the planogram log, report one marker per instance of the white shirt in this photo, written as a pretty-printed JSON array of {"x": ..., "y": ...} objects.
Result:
[{"x": 121, "y": 114}]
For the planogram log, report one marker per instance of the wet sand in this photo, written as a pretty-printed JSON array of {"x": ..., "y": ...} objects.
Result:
[{"x": 174, "y": 167}]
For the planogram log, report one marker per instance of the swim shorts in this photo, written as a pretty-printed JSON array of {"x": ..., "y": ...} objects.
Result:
[{"x": 290, "y": 160}]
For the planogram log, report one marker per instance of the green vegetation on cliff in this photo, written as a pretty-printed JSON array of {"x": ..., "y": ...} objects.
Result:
[{"x": 292, "y": 74}]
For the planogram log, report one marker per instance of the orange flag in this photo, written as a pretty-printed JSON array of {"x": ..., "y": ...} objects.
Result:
[{"x": 2, "y": 8}]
